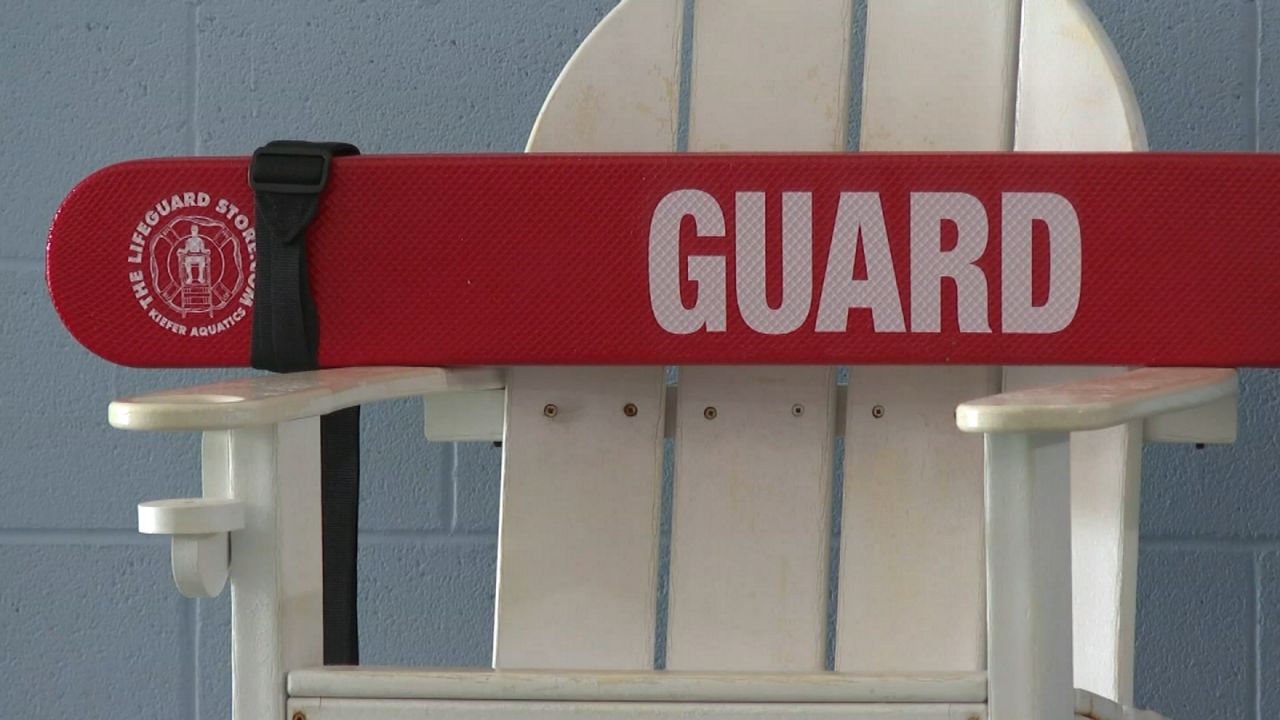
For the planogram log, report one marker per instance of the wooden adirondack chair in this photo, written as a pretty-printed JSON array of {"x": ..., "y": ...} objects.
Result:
[{"x": 948, "y": 606}]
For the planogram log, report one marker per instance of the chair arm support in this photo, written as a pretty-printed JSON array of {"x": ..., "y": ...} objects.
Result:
[
  {"x": 261, "y": 453},
  {"x": 271, "y": 399},
  {"x": 1098, "y": 402},
  {"x": 1029, "y": 513}
]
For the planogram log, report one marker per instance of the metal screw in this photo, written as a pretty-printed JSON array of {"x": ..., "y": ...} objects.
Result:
[
  {"x": 797, "y": 410},
  {"x": 709, "y": 413},
  {"x": 299, "y": 715},
  {"x": 630, "y": 410},
  {"x": 550, "y": 410},
  {"x": 877, "y": 412}
]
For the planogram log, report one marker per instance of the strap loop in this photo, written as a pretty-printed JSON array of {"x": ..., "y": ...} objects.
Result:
[
  {"x": 294, "y": 167},
  {"x": 288, "y": 177}
]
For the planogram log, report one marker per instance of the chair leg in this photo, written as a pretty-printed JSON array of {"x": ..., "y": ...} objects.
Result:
[
  {"x": 1029, "y": 653},
  {"x": 276, "y": 607}
]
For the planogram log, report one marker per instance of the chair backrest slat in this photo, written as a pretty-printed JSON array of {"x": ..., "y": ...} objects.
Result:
[
  {"x": 752, "y": 496},
  {"x": 938, "y": 75},
  {"x": 577, "y": 557},
  {"x": 1075, "y": 95},
  {"x": 912, "y": 589},
  {"x": 577, "y": 549},
  {"x": 750, "y": 519}
]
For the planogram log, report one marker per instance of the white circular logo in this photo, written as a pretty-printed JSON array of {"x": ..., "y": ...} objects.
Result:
[{"x": 192, "y": 264}]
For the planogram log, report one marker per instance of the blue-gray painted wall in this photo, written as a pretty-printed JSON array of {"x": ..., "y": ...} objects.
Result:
[{"x": 90, "y": 625}]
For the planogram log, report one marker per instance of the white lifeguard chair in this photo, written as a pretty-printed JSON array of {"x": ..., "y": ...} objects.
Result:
[{"x": 952, "y": 603}]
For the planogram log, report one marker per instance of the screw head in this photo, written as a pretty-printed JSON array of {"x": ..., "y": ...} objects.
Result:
[
  {"x": 709, "y": 413},
  {"x": 877, "y": 412},
  {"x": 630, "y": 410},
  {"x": 550, "y": 410},
  {"x": 797, "y": 410}
]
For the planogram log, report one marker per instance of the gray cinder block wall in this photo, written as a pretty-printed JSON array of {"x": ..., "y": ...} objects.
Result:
[{"x": 90, "y": 626}]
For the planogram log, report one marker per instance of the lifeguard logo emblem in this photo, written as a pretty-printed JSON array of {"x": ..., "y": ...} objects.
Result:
[{"x": 193, "y": 264}]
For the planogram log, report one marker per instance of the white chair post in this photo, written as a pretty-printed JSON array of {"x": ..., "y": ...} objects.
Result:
[
  {"x": 276, "y": 581},
  {"x": 1028, "y": 489},
  {"x": 258, "y": 523}
]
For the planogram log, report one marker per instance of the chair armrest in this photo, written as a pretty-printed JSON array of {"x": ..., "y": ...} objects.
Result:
[
  {"x": 1098, "y": 402},
  {"x": 272, "y": 399}
]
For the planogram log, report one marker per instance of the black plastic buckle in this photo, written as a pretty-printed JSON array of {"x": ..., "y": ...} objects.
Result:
[{"x": 281, "y": 166}]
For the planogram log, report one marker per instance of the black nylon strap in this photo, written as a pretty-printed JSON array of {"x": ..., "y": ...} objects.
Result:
[
  {"x": 339, "y": 523},
  {"x": 288, "y": 178}
]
